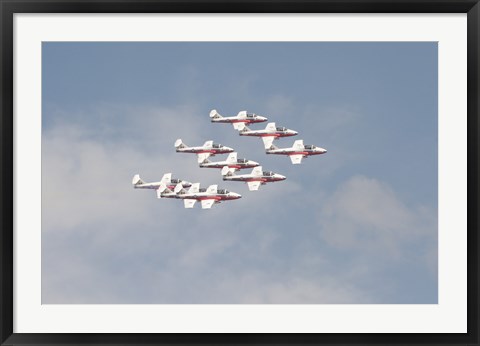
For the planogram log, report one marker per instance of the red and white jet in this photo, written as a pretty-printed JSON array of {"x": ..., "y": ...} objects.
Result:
[
  {"x": 207, "y": 197},
  {"x": 166, "y": 181},
  {"x": 231, "y": 162},
  {"x": 209, "y": 148},
  {"x": 255, "y": 179},
  {"x": 268, "y": 135},
  {"x": 297, "y": 152},
  {"x": 242, "y": 117}
]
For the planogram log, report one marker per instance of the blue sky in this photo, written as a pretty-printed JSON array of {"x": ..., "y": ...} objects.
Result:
[{"x": 357, "y": 225}]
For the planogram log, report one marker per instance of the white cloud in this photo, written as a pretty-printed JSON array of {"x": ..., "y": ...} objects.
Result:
[
  {"x": 104, "y": 242},
  {"x": 365, "y": 214}
]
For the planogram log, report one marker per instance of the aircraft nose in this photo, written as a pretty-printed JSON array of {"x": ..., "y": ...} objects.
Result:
[
  {"x": 294, "y": 132},
  {"x": 236, "y": 195},
  {"x": 254, "y": 163},
  {"x": 282, "y": 177},
  {"x": 262, "y": 118}
]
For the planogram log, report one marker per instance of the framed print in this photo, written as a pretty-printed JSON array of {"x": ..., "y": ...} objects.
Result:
[{"x": 239, "y": 173}]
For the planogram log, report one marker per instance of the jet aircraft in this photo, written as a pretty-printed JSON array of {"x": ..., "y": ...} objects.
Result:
[
  {"x": 207, "y": 197},
  {"x": 241, "y": 117},
  {"x": 297, "y": 152},
  {"x": 231, "y": 162},
  {"x": 270, "y": 133},
  {"x": 166, "y": 180},
  {"x": 209, "y": 148},
  {"x": 256, "y": 178}
]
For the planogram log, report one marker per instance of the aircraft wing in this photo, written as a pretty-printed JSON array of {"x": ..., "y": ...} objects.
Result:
[
  {"x": 202, "y": 157},
  {"x": 253, "y": 185},
  {"x": 207, "y": 203},
  {"x": 268, "y": 141},
  {"x": 238, "y": 126},
  {"x": 296, "y": 159},
  {"x": 189, "y": 203}
]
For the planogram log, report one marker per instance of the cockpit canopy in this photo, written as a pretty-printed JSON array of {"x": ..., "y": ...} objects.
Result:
[
  {"x": 268, "y": 174},
  {"x": 283, "y": 129},
  {"x": 175, "y": 181},
  {"x": 309, "y": 146},
  {"x": 222, "y": 191},
  {"x": 217, "y": 146},
  {"x": 242, "y": 160},
  {"x": 250, "y": 115},
  {"x": 202, "y": 189}
]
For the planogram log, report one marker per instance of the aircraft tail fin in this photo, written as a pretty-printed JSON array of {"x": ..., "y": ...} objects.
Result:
[
  {"x": 167, "y": 177},
  {"x": 202, "y": 157},
  {"x": 241, "y": 127},
  {"x": 136, "y": 180},
  {"x": 179, "y": 188},
  {"x": 273, "y": 147},
  {"x": 268, "y": 141},
  {"x": 179, "y": 144},
  {"x": 162, "y": 188},
  {"x": 214, "y": 114},
  {"x": 227, "y": 171}
]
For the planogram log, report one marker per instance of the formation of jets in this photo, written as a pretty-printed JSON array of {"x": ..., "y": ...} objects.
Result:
[{"x": 191, "y": 193}]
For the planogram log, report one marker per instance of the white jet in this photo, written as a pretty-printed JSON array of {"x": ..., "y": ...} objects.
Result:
[
  {"x": 207, "y": 197},
  {"x": 297, "y": 152},
  {"x": 166, "y": 181},
  {"x": 232, "y": 162},
  {"x": 255, "y": 179},
  {"x": 242, "y": 117},
  {"x": 209, "y": 148},
  {"x": 268, "y": 135}
]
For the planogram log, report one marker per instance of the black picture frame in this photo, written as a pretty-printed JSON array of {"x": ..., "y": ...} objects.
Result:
[{"x": 10, "y": 7}]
